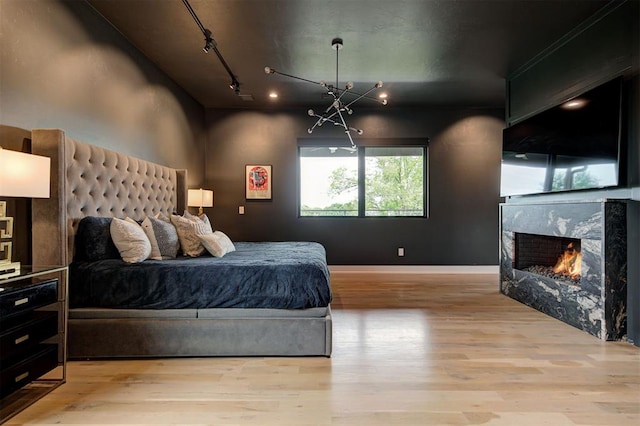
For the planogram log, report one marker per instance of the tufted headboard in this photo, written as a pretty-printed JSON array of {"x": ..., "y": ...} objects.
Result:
[{"x": 88, "y": 180}]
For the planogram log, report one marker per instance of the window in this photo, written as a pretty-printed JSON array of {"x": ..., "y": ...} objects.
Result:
[{"x": 363, "y": 182}]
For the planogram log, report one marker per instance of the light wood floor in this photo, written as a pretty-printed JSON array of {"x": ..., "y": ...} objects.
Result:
[{"x": 408, "y": 350}]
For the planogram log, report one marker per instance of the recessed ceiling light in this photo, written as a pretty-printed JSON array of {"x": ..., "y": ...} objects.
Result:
[
  {"x": 574, "y": 103},
  {"x": 273, "y": 95}
]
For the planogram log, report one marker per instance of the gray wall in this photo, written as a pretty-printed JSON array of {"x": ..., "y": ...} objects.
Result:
[
  {"x": 605, "y": 47},
  {"x": 464, "y": 166},
  {"x": 63, "y": 66}
]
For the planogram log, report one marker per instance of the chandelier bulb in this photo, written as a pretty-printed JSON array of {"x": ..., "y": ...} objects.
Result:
[
  {"x": 360, "y": 131},
  {"x": 322, "y": 83},
  {"x": 350, "y": 85},
  {"x": 310, "y": 131},
  {"x": 349, "y": 111},
  {"x": 311, "y": 113},
  {"x": 379, "y": 84},
  {"x": 384, "y": 102},
  {"x": 268, "y": 70}
]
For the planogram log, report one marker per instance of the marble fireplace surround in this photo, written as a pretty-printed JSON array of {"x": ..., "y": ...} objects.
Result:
[{"x": 598, "y": 304}]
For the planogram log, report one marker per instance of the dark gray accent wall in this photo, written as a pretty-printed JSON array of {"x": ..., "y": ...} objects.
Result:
[
  {"x": 463, "y": 174},
  {"x": 606, "y": 46},
  {"x": 63, "y": 66}
]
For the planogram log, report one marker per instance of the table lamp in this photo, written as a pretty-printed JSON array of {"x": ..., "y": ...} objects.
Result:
[
  {"x": 21, "y": 175},
  {"x": 200, "y": 198}
]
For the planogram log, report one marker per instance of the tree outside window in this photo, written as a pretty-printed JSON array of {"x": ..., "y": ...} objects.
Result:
[{"x": 366, "y": 181}]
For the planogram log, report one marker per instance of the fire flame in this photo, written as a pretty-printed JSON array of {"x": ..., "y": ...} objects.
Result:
[{"x": 569, "y": 263}]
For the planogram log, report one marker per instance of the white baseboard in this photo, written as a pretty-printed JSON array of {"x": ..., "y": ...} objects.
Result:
[{"x": 416, "y": 269}]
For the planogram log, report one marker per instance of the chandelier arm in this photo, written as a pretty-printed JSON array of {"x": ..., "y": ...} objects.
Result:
[
  {"x": 338, "y": 99},
  {"x": 347, "y": 129},
  {"x": 364, "y": 95},
  {"x": 272, "y": 71},
  {"x": 321, "y": 120}
]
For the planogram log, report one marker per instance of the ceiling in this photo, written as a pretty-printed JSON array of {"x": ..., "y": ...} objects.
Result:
[{"x": 427, "y": 53}]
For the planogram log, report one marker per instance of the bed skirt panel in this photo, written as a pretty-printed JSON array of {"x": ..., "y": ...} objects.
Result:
[{"x": 199, "y": 337}]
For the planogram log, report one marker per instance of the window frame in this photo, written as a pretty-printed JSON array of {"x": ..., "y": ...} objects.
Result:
[{"x": 361, "y": 144}]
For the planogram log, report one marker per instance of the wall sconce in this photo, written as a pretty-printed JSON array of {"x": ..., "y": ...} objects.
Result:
[
  {"x": 21, "y": 175},
  {"x": 200, "y": 198}
]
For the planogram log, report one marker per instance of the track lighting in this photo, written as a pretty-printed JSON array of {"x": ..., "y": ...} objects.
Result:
[
  {"x": 210, "y": 44},
  {"x": 334, "y": 112}
]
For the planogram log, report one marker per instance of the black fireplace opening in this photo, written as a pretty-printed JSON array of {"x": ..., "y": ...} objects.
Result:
[{"x": 558, "y": 258}]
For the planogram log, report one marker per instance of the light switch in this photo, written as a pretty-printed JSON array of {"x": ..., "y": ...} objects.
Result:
[{"x": 240, "y": 209}]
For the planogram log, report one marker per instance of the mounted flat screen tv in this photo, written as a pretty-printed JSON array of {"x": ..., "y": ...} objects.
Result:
[{"x": 572, "y": 146}]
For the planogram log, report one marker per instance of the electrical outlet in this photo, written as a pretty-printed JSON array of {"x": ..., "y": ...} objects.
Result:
[
  {"x": 240, "y": 209},
  {"x": 400, "y": 251}
]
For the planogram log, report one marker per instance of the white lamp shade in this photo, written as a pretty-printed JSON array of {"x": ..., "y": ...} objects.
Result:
[
  {"x": 24, "y": 175},
  {"x": 200, "y": 198}
]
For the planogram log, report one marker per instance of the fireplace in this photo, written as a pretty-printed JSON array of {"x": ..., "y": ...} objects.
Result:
[
  {"x": 559, "y": 258},
  {"x": 568, "y": 260}
]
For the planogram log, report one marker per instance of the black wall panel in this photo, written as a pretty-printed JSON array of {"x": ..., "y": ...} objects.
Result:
[{"x": 464, "y": 167}]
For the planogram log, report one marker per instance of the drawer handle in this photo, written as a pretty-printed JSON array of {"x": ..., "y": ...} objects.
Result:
[
  {"x": 22, "y": 339},
  {"x": 21, "y": 301},
  {"x": 22, "y": 376}
]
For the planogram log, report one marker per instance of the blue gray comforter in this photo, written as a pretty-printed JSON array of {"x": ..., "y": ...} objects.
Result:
[{"x": 280, "y": 275}]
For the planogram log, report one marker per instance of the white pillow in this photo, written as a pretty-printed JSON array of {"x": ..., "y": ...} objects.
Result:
[
  {"x": 147, "y": 227},
  {"x": 217, "y": 243},
  {"x": 202, "y": 220},
  {"x": 187, "y": 233},
  {"x": 130, "y": 240}
]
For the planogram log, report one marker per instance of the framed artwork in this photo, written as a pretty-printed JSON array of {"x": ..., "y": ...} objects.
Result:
[{"x": 258, "y": 182}]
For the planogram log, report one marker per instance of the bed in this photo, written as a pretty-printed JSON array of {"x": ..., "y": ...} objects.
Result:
[{"x": 107, "y": 319}]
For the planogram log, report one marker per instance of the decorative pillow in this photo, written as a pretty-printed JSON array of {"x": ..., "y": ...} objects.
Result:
[
  {"x": 93, "y": 240},
  {"x": 147, "y": 227},
  {"x": 206, "y": 221},
  {"x": 130, "y": 239},
  {"x": 217, "y": 243},
  {"x": 166, "y": 237},
  {"x": 200, "y": 218},
  {"x": 187, "y": 234},
  {"x": 162, "y": 217}
]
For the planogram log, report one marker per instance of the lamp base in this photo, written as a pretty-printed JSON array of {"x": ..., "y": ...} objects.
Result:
[{"x": 9, "y": 269}]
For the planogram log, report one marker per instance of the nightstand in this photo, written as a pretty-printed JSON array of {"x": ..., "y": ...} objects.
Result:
[{"x": 33, "y": 325}]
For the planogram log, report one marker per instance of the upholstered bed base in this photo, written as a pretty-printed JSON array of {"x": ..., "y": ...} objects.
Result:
[
  {"x": 92, "y": 181},
  {"x": 187, "y": 332}
]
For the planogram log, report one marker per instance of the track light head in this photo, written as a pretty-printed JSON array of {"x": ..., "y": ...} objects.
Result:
[
  {"x": 235, "y": 86},
  {"x": 209, "y": 42}
]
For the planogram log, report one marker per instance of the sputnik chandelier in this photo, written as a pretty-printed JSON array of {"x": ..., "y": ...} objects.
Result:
[{"x": 334, "y": 113}]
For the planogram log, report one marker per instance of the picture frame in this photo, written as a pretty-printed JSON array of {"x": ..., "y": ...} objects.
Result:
[{"x": 258, "y": 181}]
